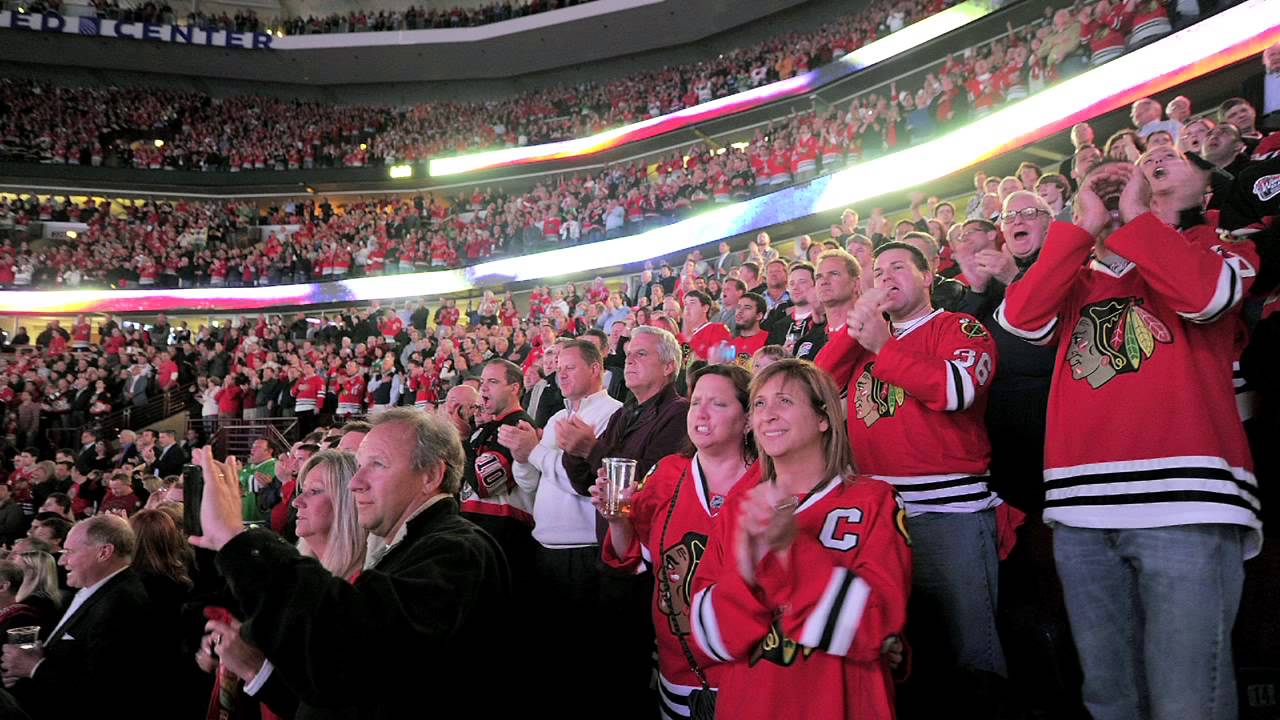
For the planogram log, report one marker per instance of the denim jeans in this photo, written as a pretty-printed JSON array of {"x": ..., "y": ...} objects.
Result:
[
  {"x": 1151, "y": 612},
  {"x": 955, "y": 581}
]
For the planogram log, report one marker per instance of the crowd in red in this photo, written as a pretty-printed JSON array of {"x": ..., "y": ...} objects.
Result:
[
  {"x": 64, "y": 125},
  {"x": 359, "y": 20},
  {"x": 190, "y": 243}
]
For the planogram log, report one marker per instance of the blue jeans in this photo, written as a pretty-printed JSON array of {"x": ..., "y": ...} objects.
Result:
[
  {"x": 954, "y": 580},
  {"x": 1151, "y": 612}
]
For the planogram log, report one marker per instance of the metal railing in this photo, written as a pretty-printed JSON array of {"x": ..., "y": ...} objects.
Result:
[
  {"x": 235, "y": 436},
  {"x": 131, "y": 417}
]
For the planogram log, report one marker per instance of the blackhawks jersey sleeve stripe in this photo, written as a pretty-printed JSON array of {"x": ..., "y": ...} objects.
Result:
[
  {"x": 706, "y": 630},
  {"x": 1225, "y": 296},
  {"x": 960, "y": 392},
  {"x": 943, "y": 493},
  {"x": 1246, "y": 397},
  {"x": 1036, "y": 336},
  {"x": 834, "y": 621}
]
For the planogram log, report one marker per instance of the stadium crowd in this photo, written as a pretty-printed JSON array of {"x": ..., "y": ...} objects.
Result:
[
  {"x": 121, "y": 126},
  {"x": 191, "y": 243},
  {"x": 838, "y": 445},
  {"x": 409, "y": 18}
]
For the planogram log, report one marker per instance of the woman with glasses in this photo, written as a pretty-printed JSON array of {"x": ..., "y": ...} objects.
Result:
[{"x": 804, "y": 583}]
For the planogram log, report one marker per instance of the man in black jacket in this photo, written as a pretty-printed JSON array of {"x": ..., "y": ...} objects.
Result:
[
  {"x": 434, "y": 587},
  {"x": 169, "y": 455},
  {"x": 105, "y": 626}
]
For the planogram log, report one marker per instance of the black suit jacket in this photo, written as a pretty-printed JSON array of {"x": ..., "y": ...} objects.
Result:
[
  {"x": 171, "y": 462},
  {"x": 433, "y": 596},
  {"x": 83, "y": 661},
  {"x": 86, "y": 460}
]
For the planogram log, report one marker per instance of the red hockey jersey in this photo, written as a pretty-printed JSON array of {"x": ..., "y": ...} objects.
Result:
[
  {"x": 679, "y": 543},
  {"x": 705, "y": 339},
  {"x": 306, "y": 393},
  {"x": 350, "y": 394},
  {"x": 916, "y": 409},
  {"x": 1121, "y": 451},
  {"x": 806, "y": 643}
]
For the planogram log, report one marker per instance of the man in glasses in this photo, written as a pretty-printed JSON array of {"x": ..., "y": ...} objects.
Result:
[{"x": 1154, "y": 502}]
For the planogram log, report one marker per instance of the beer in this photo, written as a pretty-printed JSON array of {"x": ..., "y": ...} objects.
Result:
[
  {"x": 26, "y": 637},
  {"x": 620, "y": 473}
]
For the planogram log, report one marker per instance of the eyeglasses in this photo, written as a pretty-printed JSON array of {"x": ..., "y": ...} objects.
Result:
[{"x": 1026, "y": 213}]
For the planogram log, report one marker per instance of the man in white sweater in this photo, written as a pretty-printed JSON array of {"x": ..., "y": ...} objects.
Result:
[{"x": 567, "y": 563}]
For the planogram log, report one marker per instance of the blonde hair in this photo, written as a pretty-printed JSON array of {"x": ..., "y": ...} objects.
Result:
[
  {"x": 39, "y": 576},
  {"x": 346, "y": 548},
  {"x": 825, "y": 401}
]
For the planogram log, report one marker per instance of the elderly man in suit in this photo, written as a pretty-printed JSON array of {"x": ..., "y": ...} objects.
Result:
[{"x": 104, "y": 627}]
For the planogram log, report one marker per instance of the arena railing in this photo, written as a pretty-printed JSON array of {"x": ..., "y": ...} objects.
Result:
[{"x": 1213, "y": 44}]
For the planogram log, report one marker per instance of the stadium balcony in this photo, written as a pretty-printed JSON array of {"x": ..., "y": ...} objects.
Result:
[{"x": 1205, "y": 62}]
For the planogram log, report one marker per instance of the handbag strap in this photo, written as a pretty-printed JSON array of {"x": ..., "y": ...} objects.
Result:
[{"x": 665, "y": 582}]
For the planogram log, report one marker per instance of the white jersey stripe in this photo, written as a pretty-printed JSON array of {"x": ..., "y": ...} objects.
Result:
[
  {"x": 1036, "y": 336},
  {"x": 816, "y": 624},
  {"x": 855, "y": 603}
]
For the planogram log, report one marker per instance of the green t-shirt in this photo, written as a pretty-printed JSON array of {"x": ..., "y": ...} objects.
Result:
[{"x": 249, "y": 496}]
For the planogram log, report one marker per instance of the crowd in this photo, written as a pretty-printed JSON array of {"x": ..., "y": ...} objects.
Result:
[
  {"x": 168, "y": 129},
  {"x": 118, "y": 126},
  {"x": 834, "y": 449},
  {"x": 360, "y": 20},
  {"x": 193, "y": 244}
]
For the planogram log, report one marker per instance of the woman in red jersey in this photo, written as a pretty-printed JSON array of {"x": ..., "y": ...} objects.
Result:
[
  {"x": 672, "y": 516},
  {"x": 805, "y": 582}
]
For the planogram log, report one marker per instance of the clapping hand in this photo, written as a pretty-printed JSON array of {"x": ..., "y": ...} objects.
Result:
[
  {"x": 220, "y": 512},
  {"x": 998, "y": 264},
  {"x": 223, "y": 640},
  {"x": 520, "y": 439},
  {"x": 766, "y": 523},
  {"x": 575, "y": 436},
  {"x": 866, "y": 323}
]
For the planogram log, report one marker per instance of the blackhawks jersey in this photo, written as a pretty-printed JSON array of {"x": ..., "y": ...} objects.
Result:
[
  {"x": 916, "y": 409},
  {"x": 350, "y": 394},
  {"x": 806, "y": 643},
  {"x": 1142, "y": 427},
  {"x": 488, "y": 487},
  {"x": 677, "y": 536}
]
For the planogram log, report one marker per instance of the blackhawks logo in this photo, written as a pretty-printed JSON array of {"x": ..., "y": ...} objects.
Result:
[
  {"x": 679, "y": 563},
  {"x": 875, "y": 398},
  {"x": 1113, "y": 337},
  {"x": 777, "y": 648},
  {"x": 972, "y": 328}
]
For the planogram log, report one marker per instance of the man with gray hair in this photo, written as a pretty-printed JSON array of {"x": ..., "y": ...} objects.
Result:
[
  {"x": 650, "y": 426},
  {"x": 433, "y": 588},
  {"x": 105, "y": 626}
]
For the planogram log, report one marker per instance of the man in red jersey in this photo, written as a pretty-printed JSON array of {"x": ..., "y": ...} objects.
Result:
[
  {"x": 917, "y": 389},
  {"x": 1154, "y": 504}
]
